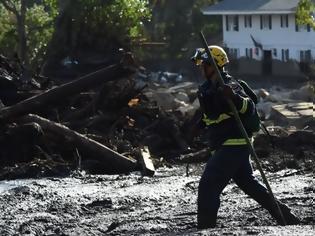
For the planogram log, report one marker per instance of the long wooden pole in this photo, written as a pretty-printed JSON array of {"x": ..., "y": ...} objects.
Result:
[{"x": 241, "y": 126}]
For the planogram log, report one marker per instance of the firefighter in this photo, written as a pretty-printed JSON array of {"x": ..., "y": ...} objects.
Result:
[{"x": 230, "y": 158}]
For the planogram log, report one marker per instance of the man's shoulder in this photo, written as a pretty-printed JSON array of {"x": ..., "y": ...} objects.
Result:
[{"x": 234, "y": 84}]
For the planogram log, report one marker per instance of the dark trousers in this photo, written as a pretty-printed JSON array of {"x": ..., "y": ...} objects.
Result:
[{"x": 229, "y": 162}]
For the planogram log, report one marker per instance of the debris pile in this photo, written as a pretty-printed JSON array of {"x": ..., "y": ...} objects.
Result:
[
  {"x": 110, "y": 121},
  {"x": 103, "y": 122}
]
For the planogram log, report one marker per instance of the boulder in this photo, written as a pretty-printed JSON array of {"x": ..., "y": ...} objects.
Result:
[{"x": 292, "y": 114}]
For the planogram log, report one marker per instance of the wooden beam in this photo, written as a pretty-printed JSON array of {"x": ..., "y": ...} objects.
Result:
[{"x": 146, "y": 162}]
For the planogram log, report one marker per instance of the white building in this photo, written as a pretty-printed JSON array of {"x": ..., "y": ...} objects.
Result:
[{"x": 265, "y": 30}]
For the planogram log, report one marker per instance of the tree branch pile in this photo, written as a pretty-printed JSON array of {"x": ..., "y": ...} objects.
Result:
[
  {"x": 110, "y": 121},
  {"x": 99, "y": 123}
]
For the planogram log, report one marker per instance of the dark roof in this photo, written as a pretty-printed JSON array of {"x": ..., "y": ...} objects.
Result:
[{"x": 251, "y": 6}]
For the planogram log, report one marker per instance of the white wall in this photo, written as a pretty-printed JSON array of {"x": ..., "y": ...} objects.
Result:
[{"x": 277, "y": 37}]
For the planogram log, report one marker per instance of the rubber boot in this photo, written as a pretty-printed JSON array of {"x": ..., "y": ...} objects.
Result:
[
  {"x": 205, "y": 222},
  {"x": 289, "y": 217}
]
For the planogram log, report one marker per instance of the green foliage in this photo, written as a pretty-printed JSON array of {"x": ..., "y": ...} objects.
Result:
[
  {"x": 177, "y": 23},
  {"x": 201, "y": 22},
  {"x": 304, "y": 13},
  {"x": 8, "y": 35},
  {"x": 39, "y": 29},
  {"x": 104, "y": 19},
  {"x": 88, "y": 20},
  {"x": 39, "y": 21}
]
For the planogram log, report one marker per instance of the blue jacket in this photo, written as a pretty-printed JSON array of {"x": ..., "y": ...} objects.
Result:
[{"x": 217, "y": 115}]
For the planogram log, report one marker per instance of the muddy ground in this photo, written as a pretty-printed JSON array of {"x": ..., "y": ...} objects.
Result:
[
  {"x": 164, "y": 204},
  {"x": 130, "y": 204}
]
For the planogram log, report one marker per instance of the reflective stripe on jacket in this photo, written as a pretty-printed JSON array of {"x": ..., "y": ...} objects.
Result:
[
  {"x": 222, "y": 128},
  {"x": 225, "y": 116},
  {"x": 234, "y": 141}
]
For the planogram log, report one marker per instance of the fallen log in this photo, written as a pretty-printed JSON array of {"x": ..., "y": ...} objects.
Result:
[
  {"x": 115, "y": 162},
  {"x": 36, "y": 102}
]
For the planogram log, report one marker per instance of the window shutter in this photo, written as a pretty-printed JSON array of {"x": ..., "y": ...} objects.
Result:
[
  {"x": 250, "y": 21},
  {"x": 270, "y": 22},
  {"x": 308, "y": 55},
  {"x": 308, "y": 28},
  {"x": 227, "y": 22},
  {"x": 261, "y": 22},
  {"x": 236, "y": 23},
  {"x": 281, "y": 21},
  {"x": 245, "y": 21},
  {"x": 287, "y": 21},
  {"x": 275, "y": 52}
]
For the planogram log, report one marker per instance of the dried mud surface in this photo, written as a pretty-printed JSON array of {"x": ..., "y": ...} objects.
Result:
[{"x": 135, "y": 205}]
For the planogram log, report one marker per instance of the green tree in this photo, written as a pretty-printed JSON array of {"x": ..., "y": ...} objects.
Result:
[
  {"x": 305, "y": 13},
  {"x": 175, "y": 25},
  {"x": 177, "y": 22},
  {"x": 96, "y": 26},
  {"x": 305, "y": 16},
  {"x": 26, "y": 27}
]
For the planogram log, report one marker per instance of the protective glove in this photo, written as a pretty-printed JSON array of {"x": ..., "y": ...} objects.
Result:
[{"x": 227, "y": 92}]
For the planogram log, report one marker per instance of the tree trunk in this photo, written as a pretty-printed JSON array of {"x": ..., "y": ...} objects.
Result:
[
  {"x": 23, "y": 50},
  {"x": 115, "y": 162}
]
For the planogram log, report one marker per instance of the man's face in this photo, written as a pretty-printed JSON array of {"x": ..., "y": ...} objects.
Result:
[{"x": 208, "y": 71}]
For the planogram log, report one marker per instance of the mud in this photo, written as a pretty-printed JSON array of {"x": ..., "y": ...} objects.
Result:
[{"x": 135, "y": 205}]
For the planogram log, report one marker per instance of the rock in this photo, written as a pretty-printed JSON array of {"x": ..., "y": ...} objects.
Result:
[
  {"x": 292, "y": 114},
  {"x": 190, "y": 109},
  {"x": 263, "y": 93},
  {"x": 305, "y": 93},
  {"x": 182, "y": 97},
  {"x": 264, "y": 109},
  {"x": 164, "y": 99}
]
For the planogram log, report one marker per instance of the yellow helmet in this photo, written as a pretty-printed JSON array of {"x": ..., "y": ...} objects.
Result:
[{"x": 217, "y": 52}]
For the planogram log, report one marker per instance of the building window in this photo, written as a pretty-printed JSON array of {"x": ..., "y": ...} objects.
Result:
[
  {"x": 249, "y": 53},
  {"x": 248, "y": 21},
  {"x": 265, "y": 22},
  {"x": 301, "y": 28},
  {"x": 285, "y": 55},
  {"x": 274, "y": 52},
  {"x": 231, "y": 23},
  {"x": 233, "y": 53},
  {"x": 305, "y": 56},
  {"x": 284, "y": 21}
]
